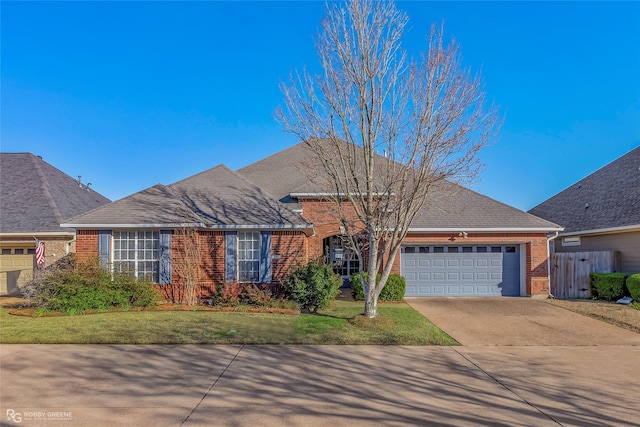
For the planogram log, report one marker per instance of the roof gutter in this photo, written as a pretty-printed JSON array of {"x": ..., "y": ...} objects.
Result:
[
  {"x": 603, "y": 230},
  {"x": 30, "y": 234},
  {"x": 486, "y": 230},
  {"x": 198, "y": 225}
]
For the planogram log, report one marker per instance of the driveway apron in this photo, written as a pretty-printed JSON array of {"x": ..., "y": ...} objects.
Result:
[{"x": 517, "y": 321}]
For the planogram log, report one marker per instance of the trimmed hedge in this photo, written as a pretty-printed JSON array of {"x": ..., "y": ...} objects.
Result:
[
  {"x": 393, "y": 290},
  {"x": 633, "y": 286},
  {"x": 607, "y": 286},
  {"x": 312, "y": 286}
]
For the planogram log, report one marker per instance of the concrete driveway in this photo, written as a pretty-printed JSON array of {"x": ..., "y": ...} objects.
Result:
[
  {"x": 190, "y": 385},
  {"x": 518, "y": 321}
]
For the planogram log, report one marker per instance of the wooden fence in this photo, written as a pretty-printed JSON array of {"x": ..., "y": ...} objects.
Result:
[{"x": 570, "y": 271}]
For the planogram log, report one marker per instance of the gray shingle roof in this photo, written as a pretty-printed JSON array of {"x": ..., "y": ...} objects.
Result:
[
  {"x": 451, "y": 207},
  {"x": 608, "y": 198},
  {"x": 216, "y": 198},
  {"x": 36, "y": 197}
]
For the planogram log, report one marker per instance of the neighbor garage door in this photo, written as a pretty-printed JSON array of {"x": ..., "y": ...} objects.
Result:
[
  {"x": 461, "y": 270},
  {"x": 15, "y": 271}
]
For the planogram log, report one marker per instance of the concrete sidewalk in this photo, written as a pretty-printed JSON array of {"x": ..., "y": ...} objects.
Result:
[
  {"x": 517, "y": 321},
  {"x": 318, "y": 385}
]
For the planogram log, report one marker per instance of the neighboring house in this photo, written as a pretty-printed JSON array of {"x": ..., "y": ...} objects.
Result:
[
  {"x": 262, "y": 220},
  {"x": 35, "y": 198},
  {"x": 600, "y": 212}
]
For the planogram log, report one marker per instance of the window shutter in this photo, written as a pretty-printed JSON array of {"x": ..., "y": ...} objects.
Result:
[
  {"x": 104, "y": 247},
  {"x": 164, "y": 257},
  {"x": 265, "y": 257},
  {"x": 231, "y": 254}
]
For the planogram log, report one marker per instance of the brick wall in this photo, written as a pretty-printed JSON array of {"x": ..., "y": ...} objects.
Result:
[
  {"x": 86, "y": 244},
  {"x": 288, "y": 250}
]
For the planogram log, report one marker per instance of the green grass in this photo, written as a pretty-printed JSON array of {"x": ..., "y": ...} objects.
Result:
[{"x": 206, "y": 327}]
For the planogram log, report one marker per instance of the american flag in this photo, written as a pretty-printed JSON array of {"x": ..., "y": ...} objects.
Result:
[{"x": 39, "y": 253}]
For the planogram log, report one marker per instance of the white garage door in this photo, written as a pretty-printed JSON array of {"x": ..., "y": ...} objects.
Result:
[{"x": 480, "y": 270}]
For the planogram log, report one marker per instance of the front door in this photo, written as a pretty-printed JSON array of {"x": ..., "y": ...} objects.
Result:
[{"x": 342, "y": 260}]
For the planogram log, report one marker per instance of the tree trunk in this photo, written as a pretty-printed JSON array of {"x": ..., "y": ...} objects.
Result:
[
  {"x": 371, "y": 304},
  {"x": 371, "y": 296}
]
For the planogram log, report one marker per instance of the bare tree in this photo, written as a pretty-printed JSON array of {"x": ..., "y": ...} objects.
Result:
[
  {"x": 188, "y": 264},
  {"x": 385, "y": 129}
]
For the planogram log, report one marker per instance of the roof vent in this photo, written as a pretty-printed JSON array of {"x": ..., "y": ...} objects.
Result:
[
  {"x": 586, "y": 205},
  {"x": 80, "y": 181}
]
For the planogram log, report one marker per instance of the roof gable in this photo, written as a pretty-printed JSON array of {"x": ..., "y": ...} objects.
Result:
[
  {"x": 608, "y": 198},
  {"x": 216, "y": 198},
  {"x": 37, "y": 197},
  {"x": 449, "y": 207}
]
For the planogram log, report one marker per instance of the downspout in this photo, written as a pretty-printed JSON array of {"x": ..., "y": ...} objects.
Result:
[
  {"x": 549, "y": 239},
  {"x": 67, "y": 246}
]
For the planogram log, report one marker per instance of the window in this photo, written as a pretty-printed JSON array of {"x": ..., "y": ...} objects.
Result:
[
  {"x": 571, "y": 241},
  {"x": 31, "y": 251},
  {"x": 481, "y": 249},
  {"x": 6, "y": 251},
  {"x": 452, "y": 249},
  {"x": 424, "y": 249},
  {"x": 496, "y": 249},
  {"x": 248, "y": 256},
  {"x": 18, "y": 251},
  {"x": 510, "y": 249},
  {"x": 409, "y": 250},
  {"x": 136, "y": 253},
  {"x": 467, "y": 249},
  {"x": 438, "y": 249}
]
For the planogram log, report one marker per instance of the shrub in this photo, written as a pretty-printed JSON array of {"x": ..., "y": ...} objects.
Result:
[
  {"x": 73, "y": 289},
  {"x": 633, "y": 286},
  {"x": 255, "y": 295},
  {"x": 393, "y": 290},
  {"x": 607, "y": 286},
  {"x": 228, "y": 294},
  {"x": 312, "y": 286}
]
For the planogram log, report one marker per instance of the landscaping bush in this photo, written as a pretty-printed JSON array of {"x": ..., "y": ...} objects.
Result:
[
  {"x": 312, "y": 286},
  {"x": 76, "y": 288},
  {"x": 228, "y": 294},
  {"x": 393, "y": 290},
  {"x": 256, "y": 295},
  {"x": 607, "y": 286},
  {"x": 633, "y": 287}
]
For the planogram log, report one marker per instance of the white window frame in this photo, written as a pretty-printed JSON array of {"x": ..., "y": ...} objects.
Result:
[
  {"x": 248, "y": 256},
  {"x": 140, "y": 255}
]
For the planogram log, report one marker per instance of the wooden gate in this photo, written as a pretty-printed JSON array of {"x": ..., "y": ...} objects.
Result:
[{"x": 570, "y": 271}]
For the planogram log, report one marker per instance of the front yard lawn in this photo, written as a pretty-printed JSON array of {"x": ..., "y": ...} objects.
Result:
[{"x": 331, "y": 326}]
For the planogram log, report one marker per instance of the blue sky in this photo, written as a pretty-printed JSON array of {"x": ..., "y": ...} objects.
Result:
[{"x": 130, "y": 94}]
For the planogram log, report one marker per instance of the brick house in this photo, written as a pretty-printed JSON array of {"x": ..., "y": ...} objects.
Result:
[
  {"x": 263, "y": 219},
  {"x": 35, "y": 197}
]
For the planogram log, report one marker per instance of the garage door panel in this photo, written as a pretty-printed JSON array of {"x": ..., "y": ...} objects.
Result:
[
  {"x": 482, "y": 262},
  {"x": 465, "y": 272},
  {"x": 438, "y": 276},
  {"x": 467, "y": 262}
]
